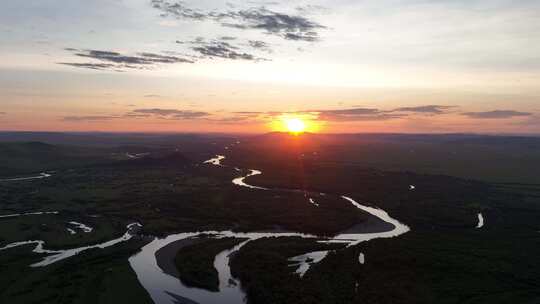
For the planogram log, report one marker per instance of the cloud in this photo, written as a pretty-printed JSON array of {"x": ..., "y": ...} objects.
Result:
[
  {"x": 496, "y": 114},
  {"x": 290, "y": 27},
  {"x": 353, "y": 111},
  {"x": 89, "y": 118},
  {"x": 308, "y": 36},
  {"x": 341, "y": 115},
  {"x": 221, "y": 49},
  {"x": 168, "y": 114},
  {"x": 244, "y": 117},
  {"x": 171, "y": 113},
  {"x": 93, "y": 66},
  {"x": 124, "y": 59},
  {"x": 150, "y": 58},
  {"x": 235, "y": 119},
  {"x": 357, "y": 114},
  {"x": 109, "y": 60},
  {"x": 156, "y": 111},
  {"x": 259, "y": 45},
  {"x": 136, "y": 115},
  {"x": 178, "y": 9},
  {"x": 429, "y": 109}
]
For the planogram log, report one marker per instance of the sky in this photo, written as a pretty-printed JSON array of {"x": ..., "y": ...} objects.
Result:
[{"x": 241, "y": 66}]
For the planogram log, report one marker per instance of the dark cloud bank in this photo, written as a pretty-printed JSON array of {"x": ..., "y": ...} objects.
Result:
[
  {"x": 204, "y": 49},
  {"x": 108, "y": 60},
  {"x": 219, "y": 49},
  {"x": 287, "y": 26}
]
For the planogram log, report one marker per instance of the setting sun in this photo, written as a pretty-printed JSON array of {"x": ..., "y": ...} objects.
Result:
[{"x": 295, "y": 125}]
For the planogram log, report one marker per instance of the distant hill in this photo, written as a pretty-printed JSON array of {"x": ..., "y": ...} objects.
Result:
[
  {"x": 17, "y": 158},
  {"x": 22, "y": 158},
  {"x": 512, "y": 159},
  {"x": 89, "y": 139}
]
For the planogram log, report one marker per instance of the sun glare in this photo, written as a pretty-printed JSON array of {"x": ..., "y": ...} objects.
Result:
[{"x": 295, "y": 125}]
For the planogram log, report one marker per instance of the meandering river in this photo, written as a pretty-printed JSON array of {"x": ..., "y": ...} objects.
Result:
[
  {"x": 480, "y": 221},
  {"x": 40, "y": 176},
  {"x": 58, "y": 255},
  {"x": 165, "y": 288},
  {"x": 216, "y": 161}
]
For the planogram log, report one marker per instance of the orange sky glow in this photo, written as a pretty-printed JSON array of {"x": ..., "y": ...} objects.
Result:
[{"x": 340, "y": 67}]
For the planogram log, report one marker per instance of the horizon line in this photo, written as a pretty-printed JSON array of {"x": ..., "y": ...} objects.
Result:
[{"x": 274, "y": 132}]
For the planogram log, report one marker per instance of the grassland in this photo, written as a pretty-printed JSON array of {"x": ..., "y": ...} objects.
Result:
[
  {"x": 98, "y": 276},
  {"x": 444, "y": 259},
  {"x": 195, "y": 263}
]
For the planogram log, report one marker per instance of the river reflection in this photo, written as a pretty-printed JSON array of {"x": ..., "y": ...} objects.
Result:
[{"x": 165, "y": 288}]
